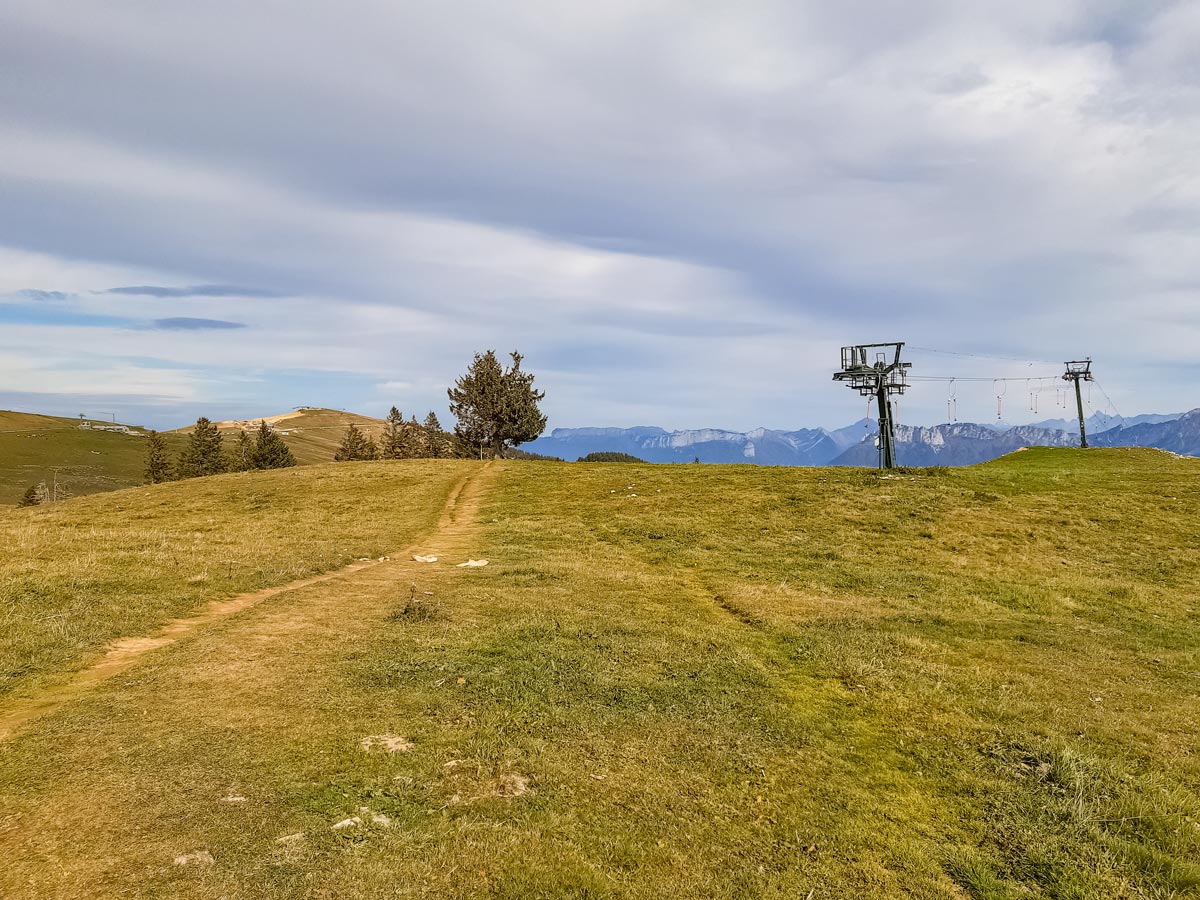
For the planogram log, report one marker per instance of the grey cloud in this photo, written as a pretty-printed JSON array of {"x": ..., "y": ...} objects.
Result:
[
  {"x": 184, "y": 323},
  {"x": 198, "y": 290},
  {"x": 48, "y": 296}
]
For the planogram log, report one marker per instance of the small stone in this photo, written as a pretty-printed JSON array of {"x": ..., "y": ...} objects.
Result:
[
  {"x": 346, "y": 823},
  {"x": 233, "y": 799},
  {"x": 290, "y": 838}
]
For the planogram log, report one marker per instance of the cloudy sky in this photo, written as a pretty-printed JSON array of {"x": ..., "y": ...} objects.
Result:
[{"x": 678, "y": 211}]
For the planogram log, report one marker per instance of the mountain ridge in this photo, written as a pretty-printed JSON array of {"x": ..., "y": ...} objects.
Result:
[{"x": 956, "y": 443}]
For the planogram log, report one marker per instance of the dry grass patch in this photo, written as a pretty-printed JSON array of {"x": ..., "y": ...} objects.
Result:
[{"x": 85, "y": 572}]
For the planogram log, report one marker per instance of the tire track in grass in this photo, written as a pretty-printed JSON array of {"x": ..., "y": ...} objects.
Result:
[{"x": 456, "y": 524}]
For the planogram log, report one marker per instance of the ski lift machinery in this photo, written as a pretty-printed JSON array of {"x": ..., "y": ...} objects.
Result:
[{"x": 875, "y": 370}]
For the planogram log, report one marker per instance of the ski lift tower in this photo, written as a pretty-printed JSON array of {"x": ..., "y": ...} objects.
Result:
[
  {"x": 1079, "y": 370},
  {"x": 875, "y": 370}
]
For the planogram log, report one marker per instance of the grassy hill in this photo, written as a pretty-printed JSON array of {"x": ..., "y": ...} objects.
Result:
[
  {"x": 35, "y": 448},
  {"x": 684, "y": 681},
  {"x": 312, "y": 434}
]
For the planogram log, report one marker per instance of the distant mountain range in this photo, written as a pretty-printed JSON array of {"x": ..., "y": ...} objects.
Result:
[{"x": 953, "y": 444}]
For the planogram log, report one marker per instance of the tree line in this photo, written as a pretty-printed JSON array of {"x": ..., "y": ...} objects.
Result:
[
  {"x": 205, "y": 453},
  {"x": 398, "y": 440},
  {"x": 496, "y": 408}
]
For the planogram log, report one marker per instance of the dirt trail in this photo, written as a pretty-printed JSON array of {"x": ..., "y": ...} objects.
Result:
[{"x": 453, "y": 533}]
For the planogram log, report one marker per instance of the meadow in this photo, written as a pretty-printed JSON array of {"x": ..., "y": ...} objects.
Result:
[
  {"x": 51, "y": 449},
  {"x": 685, "y": 681}
]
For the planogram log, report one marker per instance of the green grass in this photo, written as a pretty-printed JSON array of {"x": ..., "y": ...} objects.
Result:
[
  {"x": 34, "y": 448},
  {"x": 740, "y": 682}
]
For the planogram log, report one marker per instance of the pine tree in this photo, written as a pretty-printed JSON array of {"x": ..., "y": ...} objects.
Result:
[
  {"x": 435, "y": 437},
  {"x": 391, "y": 440},
  {"x": 418, "y": 445},
  {"x": 355, "y": 446},
  {"x": 202, "y": 455},
  {"x": 33, "y": 496},
  {"x": 477, "y": 402},
  {"x": 524, "y": 420},
  {"x": 496, "y": 408},
  {"x": 270, "y": 451},
  {"x": 241, "y": 458},
  {"x": 158, "y": 463}
]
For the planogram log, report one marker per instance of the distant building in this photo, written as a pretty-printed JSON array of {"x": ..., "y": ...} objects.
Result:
[{"x": 119, "y": 429}]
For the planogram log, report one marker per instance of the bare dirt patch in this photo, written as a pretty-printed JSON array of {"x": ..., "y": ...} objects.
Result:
[{"x": 386, "y": 743}]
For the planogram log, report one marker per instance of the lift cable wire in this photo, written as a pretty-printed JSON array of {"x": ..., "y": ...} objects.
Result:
[
  {"x": 975, "y": 378},
  {"x": 1044, "y": 362},
  {"x": 1104, "y": 393}
]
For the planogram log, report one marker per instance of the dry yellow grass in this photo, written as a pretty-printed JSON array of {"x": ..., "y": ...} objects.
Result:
[{"x": 79, "y": 574}]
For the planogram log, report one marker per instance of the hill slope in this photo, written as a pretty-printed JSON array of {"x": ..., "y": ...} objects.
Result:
[
  {"x": 313, "y": 434},
  {"x": 674, "y": 681},
  {"x": 35, "y": 448}
]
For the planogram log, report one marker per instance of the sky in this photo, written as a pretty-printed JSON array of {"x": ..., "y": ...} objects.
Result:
[{"x": 677, "y": 211}]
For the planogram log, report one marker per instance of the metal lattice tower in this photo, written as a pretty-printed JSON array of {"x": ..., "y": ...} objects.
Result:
[
  {"x": 875, "y": 370},
  {"x": 1079, "y": 370}
]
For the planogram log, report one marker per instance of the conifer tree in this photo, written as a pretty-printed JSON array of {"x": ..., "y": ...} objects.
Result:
[
  {"x": 391, "y": 440},
  {"x": 418, "y": 444},
  {"x": 496, "y": 408},
  {"x": 241, "y": 458},
  {"x": 202, "y": 455},
  {"x": 158, "y": 463},
  {"x": 435, "y": 437},
  {"x": 355, "y": 446},
  {"x": 270, "y": 451},
  {"x": 33, "y": 496}
]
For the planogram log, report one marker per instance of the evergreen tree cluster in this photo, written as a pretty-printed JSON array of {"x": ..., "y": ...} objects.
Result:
[
  {"x": 496, "y": 408},
  {"x": 610, "y": 456},
  {"x": 204, "y": 453},
  {"x": 399, "y": 439}
]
